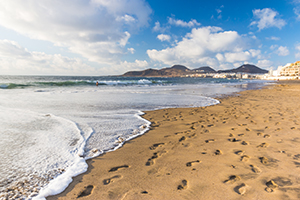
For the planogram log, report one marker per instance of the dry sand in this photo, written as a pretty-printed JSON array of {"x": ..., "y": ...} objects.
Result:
[{"x": 246, "y": 147}]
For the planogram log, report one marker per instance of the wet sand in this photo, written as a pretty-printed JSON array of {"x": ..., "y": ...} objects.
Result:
[{"x": 246, "y": 147}]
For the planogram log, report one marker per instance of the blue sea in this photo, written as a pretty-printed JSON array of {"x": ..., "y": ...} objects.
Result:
[{"x": 50, "y": 125}]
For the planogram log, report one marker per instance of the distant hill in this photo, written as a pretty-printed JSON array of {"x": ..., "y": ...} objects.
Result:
[
  {"x": 180, "y": 70},
  {"x": 176, "y": 70},
  {"x": 180, "y": 67},
  {"x": 205, "y": 69},
  {"x": 247, "y": 68}
]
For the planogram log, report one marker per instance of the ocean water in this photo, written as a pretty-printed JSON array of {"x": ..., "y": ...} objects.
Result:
[{"x": 50, "y": 125}]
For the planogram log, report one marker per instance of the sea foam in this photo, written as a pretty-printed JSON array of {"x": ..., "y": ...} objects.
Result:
[{"x": 49, "y": 130}]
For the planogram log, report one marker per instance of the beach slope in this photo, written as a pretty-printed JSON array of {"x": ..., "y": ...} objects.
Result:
[{"x": 246, "y": 147}]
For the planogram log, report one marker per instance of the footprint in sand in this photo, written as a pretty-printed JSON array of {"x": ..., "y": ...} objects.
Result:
[
  {"x": 241, "y": 189},
  {"x": 155, "y": 156},
  {"x": 233, "y": 140},
  {"x": 240, "y": 152},
  {"x": 154, "y": 146},
  {"x": 264, "y": 160},
  {"x": 296, "y": 157},
  {"x": 117, "y": 168},
  {"x": 263, "y": 145},
  {"x": 245, "y": 158},
  {"x": 209, "y": 140},
  {"x": 271, "y": 186},
  {"x": 183, "y": 185},
  {"x": 232, "y": 179},
  {"x": 189, "y": 164},
  {"x": 218, "y": 152},
  {"x": 205, "y": 131},
  {"x": 245, "y": 143},
  {"x": 182, "y": 139},
  {"x": 255, "y": 169},
  {"x": 86, "y": 191},
  {"x": 110, "y": 180},
  {"x": 259, "y": 134}
]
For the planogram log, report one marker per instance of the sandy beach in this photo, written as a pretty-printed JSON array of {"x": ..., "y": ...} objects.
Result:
[{"x": 246, "y": 147}]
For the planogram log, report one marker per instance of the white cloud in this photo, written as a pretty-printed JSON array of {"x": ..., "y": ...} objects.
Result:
[
  {"x": 125, "y": 66},
  {"x": 206, "y": 46},
  {"x": 136, "y": 65},
  {"x": 273, "y": 38},
  {"x": 237, "y": 56},
  {"x": 126, "y": 19},
  {"x": 96, "y": 29},
  {"x": 297, "y": 47},
  {"x": 274, "y": 46},
  {"x": 297, "y": 12},
  {"x": 16, "y": 59},
  {"x": 265, "y": 64},
  {"x": 219, "y": 11},
  {"x": 178, "y": 22},
  {"x": 282, "y": 51},
  {"x": 131, "y": 50},
  {"x": 267, "y": 18},
  {"x": 297, "y": 8},
  {"x": 163, "y": 37},
  {"x": 157, "y": 27},
  {"x": 220, "y": 57},
  {"x": 255, "y": 53}
]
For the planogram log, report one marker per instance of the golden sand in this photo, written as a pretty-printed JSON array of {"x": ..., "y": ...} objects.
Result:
[{"x": 246, "y": 147}]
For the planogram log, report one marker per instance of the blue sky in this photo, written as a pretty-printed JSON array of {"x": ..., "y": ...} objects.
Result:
[{"x": 110, "y": 37}]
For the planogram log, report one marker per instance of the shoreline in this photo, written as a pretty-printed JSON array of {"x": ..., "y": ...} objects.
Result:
[{"x": 224, "y": 151}]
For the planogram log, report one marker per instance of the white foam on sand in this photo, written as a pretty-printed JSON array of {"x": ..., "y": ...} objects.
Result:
[{"x": 61, "y": 182}]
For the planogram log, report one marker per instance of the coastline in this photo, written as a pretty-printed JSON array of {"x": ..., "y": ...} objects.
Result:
[{"x": 243, "y": 148}]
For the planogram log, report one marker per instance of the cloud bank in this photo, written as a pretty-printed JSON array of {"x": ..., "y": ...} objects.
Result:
[
  {"x": 207, "y": 46},
  {"x": 98, "y": 30},
  {"x": 16, "y": 59}
]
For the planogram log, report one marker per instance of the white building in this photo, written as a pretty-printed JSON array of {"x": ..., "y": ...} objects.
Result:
[{"x": 291, "y": 69}]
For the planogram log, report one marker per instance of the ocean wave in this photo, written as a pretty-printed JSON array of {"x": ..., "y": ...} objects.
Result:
[
  {"x": 72, "y": 83},
  {"x": 13, "y": 86}
]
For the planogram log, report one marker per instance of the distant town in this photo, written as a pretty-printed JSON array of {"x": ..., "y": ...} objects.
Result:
[{"x": 247, "y": 71}]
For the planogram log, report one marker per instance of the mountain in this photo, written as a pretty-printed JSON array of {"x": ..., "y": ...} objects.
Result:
[
  {"x": 247, "y": 68},
  {"x": 205, "y": 69},
  {"x": 180, "y": 70},
  {"x": 180, "y": 67},
  {"x": 176, "y": 70}
]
